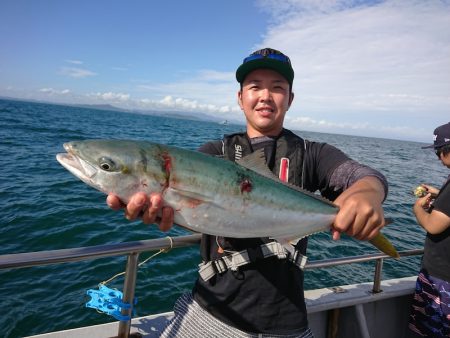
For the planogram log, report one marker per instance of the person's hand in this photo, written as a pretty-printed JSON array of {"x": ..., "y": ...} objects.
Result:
[
  {"x": 431, "y": 190},
  {"x": 149, "y": 208},
  {"x": 423, "y": 202},
  {"x": 360, "y": 210},
  {"x": 434, "y": 222}
]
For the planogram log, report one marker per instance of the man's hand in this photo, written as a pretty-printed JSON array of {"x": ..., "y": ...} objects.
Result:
[
  {"x": 149, "y": 208},
  {"x": 360, "y": 212}
]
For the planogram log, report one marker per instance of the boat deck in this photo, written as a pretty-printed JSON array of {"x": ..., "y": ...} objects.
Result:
[{"x": 350, "y": 311}]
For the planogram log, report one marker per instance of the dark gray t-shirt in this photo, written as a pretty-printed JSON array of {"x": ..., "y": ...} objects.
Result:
[{"x": 436, "y": 258}]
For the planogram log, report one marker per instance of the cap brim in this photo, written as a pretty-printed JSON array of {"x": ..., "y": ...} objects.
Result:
[
  {"x": 436, "y": 146},
  {"x": 280, "y": 67}
]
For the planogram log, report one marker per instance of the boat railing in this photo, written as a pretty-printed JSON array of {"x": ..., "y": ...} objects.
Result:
[{"x": 133, "y": 249}]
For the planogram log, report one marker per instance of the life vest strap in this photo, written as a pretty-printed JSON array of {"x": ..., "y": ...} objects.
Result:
[{"x": 233, "y": 261}]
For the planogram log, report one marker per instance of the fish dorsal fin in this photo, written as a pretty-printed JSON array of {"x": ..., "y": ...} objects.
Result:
[{"x": 256, "y": 162}]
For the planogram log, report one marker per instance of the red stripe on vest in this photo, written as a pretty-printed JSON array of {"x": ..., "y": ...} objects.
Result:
[{"x": 284, "y": 169}]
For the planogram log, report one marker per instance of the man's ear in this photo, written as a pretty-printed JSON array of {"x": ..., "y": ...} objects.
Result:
[
  {"x": 239, "y": 99},
  {"x": 291, "y": 98}
]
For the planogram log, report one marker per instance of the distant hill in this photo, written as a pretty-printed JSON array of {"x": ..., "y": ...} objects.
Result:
[
  {"x": 174, "y": 114},
  {"x": 195, "y": 116},
  {"x": 98, "y": 107}
]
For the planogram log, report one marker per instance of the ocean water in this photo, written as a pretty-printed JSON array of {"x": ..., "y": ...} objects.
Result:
[{"x": 44, "y": 207}]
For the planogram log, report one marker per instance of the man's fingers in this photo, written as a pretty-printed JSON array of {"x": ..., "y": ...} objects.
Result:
[
  {"x": 135, "y": 206},
  {"x": 343, "y": 222},
  {"x": 363, "y": 226},
  {"x": 370, "y": 227},
  {"x": 114, "y": 202},
  {"x": 373, "y": 233},
  {"x": 166, "y": 219},
  {"x": 150, "y": 214},
  {"x": 149, "y": 208},
  {"x": 335, "y": 234}
]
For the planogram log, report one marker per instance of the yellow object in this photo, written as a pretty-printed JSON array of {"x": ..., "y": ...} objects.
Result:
[
  {"x": 383, "y": 244},
  {"x": 420, "y": 191}
]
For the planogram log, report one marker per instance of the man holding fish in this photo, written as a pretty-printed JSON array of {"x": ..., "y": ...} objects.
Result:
[{"x": 253, "y": 287}]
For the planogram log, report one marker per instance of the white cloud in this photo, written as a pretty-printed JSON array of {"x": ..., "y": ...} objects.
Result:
[
  {"x": 389, "y": 58},
  {"x": 182, "y": 104},
  {"x": 110, "y": 97},
  {"x": 210, "y": 90},
  {"x": 76, "y": 72},
  {"x": 361, "y": 68},
  {"x": 361, "y": 128},
  {"x": 51, "y": 91}
]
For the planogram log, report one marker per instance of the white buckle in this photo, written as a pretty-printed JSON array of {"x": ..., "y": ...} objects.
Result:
[{"x": 208, "y": 269}]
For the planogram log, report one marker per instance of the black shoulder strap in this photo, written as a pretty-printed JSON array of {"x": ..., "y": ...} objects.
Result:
[{"x": 236, "y": 146}]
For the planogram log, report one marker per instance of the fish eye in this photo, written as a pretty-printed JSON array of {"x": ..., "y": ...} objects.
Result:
[{"x": 107, "y": 164}]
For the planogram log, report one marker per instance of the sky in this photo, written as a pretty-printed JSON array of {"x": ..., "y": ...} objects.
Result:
[{"x": 368, "y": 68}]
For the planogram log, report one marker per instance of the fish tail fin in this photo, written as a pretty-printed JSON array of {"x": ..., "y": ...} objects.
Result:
[{"x": 384, "y": 245}]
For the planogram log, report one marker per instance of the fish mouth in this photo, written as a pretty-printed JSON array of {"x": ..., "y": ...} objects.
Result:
[{"x": 76, "y": 165}]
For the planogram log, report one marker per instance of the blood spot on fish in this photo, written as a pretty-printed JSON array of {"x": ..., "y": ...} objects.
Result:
[
  {"x": 167, "y": 163},
  {"x": 246, "y": 186},
  {"x": 167, "y": 167},
  {"x": 193, "y": 203}
]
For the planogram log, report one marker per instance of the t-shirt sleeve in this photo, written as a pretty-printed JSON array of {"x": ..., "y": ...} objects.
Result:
[
  {"x": 336, "y": 171},
  {"x": 214, "y": 148},
  {"x": 321, "y": 159},
  {"x": 442, "y": 202}
]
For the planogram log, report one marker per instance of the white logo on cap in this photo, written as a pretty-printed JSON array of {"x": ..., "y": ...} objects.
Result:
[{"x": 435, "y": 138}]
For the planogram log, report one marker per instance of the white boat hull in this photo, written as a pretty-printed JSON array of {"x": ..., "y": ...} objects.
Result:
[{"x": 359, "y": 313}]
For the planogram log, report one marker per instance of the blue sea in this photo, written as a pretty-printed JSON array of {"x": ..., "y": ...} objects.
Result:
[{"x": 44, "y": 207}]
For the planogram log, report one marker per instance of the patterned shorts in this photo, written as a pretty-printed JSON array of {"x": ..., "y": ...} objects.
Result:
[
  {"x": 191, "y": 320},
  {"x": 430, "y": 313}
]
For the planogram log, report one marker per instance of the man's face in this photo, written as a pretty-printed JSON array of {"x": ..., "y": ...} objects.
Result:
[
  {"x": 265, "y": 97},
  {"x": 445, "y": 159}
]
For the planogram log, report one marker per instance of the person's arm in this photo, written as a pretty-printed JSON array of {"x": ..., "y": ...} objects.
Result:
[
  {"x": 360, "y": 209},
  {"x": 434, "y": 222},
  {"x": 357, "y": 189}
]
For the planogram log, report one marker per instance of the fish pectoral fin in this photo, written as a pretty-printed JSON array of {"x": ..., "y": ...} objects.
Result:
[
  {"x": 256, "y": 162},
  {"x": 191, "y": 197}
]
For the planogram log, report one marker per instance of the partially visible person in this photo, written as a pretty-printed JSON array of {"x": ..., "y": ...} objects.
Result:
[{"x": 430, "y": 312}]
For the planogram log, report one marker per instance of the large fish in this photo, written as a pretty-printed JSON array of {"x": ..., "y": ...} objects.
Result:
[{"x": 208, "y": 194}]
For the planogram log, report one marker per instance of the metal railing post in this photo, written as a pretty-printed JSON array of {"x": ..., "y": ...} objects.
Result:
[
  {"x": 128, "y": 293},
  {"x": 377, "y": 276}
]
